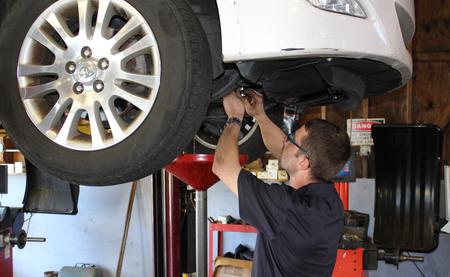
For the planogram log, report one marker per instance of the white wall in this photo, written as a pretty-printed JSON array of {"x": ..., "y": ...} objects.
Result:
[
  {"x": 93, "y": 236},
  {"x": 221, "y": 201}
]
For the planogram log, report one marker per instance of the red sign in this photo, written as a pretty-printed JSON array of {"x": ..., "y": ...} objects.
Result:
[{"x": 364, "y": 126}]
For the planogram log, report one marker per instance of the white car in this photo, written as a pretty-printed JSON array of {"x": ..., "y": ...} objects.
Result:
[{"x": 107, "y": 91}]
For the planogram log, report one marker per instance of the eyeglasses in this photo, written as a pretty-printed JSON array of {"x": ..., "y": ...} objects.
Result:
[{"x": 291, "y": 139}]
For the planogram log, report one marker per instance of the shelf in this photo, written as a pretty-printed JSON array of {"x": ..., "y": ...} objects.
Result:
[
  {"x": 220, "y": 229},
  {"x": 244, "y": 228}
]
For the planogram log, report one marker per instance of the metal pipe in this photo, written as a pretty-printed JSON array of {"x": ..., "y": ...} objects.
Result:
[
  {"x": 201, "y": 232},
  {"x": 411, "y": 258},
  {"x": 164, "y": 219},
  {"x": 173, "y": 225},
  {"x": 33, "y": 239}
]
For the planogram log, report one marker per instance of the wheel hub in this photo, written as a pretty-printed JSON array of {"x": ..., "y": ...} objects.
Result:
[{"x": 86, "y": 72}]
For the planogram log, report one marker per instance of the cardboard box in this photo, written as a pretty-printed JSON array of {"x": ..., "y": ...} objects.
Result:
[
  {"x": 227, "y": 267},
  {"x": 272, "y": 174},
  {"x": 283, "y": 175},
  {"x": 256, "y": 164},
  {"x": 272, "y": 165},
  {"x": 262, "y": 175}
]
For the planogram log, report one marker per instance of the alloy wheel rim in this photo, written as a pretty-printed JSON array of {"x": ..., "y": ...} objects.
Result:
[
  {"x": 209, "y": 138},
  {"x": 89, "y": 72}
]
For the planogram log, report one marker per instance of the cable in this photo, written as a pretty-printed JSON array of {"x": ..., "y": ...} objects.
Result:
[
  {"x": 29, "y": 220},
  {"x": 418, "y": 269}
]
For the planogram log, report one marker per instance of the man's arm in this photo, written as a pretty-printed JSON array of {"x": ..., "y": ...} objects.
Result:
[
  {"x": 273, "y": 136},
  {"x": 226, "y": 159}
]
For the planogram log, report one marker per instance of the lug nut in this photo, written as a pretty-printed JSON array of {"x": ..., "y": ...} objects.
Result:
[
  {"x": 103, "y": 64},
  {"x": 78, "y": 88},
  {"x": 98, "y": 86},
  {"x": 71, "y": 67},
  {"x": 86, "y": 52}
]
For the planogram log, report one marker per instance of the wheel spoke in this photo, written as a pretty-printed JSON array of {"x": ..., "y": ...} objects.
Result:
[
  {"x": 85, "y": 13},
  {"x": 40, "y": 90},
  {"x": 138, "y": 48},
  {"x": 54, "y": 115},
  {"x": 149, "y": 81},
  {"x": 60, "y": 27},
  {"x": 139, "y": 102},
  {"x": 95, "y": 122},
  {"x": 128, "y": 30},
  {"x": 115, "y": 122},
  {"x": 47, "y": 41},
  {"x": 69, "y": 128},
  {"x": 29, "y": 70},
  {"x": 104, "y": 16}
]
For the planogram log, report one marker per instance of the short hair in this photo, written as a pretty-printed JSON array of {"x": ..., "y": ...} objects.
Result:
[{"x": 328, "y": 148}]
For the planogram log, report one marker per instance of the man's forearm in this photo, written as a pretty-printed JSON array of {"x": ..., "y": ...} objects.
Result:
[
  {"x": 273, "y": 136},
  {"x": 226, "y": 159}
]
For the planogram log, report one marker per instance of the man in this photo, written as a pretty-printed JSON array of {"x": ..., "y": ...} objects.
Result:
[{"x": 299, "y": 225}]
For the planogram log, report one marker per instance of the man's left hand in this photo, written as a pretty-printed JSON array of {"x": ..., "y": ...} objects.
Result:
[{"x": 233, "y": 105}]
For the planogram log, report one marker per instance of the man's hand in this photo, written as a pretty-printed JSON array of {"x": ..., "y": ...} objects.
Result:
[
  {"x": 226, "y": 159},
  {"x": 254, "y": 103},
  {"x": 233, "y": 105},
  {"x": 272, "y": 135}
]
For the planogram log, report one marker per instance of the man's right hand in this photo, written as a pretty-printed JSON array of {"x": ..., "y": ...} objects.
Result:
[
  {"x": 273, "y": 136},
  {"x": 254, "y": 103}
]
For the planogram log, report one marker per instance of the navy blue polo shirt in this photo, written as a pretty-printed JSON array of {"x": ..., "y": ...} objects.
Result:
[{"x": 298, "y": 230}]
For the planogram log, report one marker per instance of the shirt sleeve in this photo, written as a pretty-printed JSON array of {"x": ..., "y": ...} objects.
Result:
[{"x": 262, "y": 205}]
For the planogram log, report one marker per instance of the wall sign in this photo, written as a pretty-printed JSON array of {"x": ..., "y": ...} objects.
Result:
[{"x": 360, "y": 130}]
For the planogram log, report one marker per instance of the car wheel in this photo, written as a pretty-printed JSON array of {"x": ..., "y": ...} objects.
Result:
[
  {"x": 103, "y": 91},
  {"x": 250, "y": 139}
]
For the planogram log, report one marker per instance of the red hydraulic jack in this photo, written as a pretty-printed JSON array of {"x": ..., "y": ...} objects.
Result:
[{"x": 196, "y": 171}]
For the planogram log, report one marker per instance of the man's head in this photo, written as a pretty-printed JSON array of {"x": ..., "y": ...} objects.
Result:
[{"x": 325, "y": 148}]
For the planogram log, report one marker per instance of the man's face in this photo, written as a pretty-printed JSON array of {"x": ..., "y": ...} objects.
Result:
[{"x": 289, "y": 153}]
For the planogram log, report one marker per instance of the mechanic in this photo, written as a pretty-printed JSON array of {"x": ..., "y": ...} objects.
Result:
[{"x": 299, "y": 225}]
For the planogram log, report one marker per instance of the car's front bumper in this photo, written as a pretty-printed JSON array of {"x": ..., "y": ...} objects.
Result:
[{"x": 266, "y": 29}]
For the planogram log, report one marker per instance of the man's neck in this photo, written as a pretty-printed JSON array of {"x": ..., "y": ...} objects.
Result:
[{"x": 300, "y": 180}]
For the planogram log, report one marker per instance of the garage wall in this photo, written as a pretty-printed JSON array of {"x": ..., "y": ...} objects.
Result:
[{"x": 93, "y": 236}]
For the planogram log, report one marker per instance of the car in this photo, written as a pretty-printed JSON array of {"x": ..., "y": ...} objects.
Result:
[{"x": 103, "y": 92}]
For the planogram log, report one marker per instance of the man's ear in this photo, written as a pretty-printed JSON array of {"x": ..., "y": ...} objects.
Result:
[{"x": 303, "y": 163}]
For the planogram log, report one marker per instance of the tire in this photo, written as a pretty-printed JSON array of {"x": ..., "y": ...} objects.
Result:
[
  {"x": 157, "y": 132},
  {"x": 250, "y": 141}
]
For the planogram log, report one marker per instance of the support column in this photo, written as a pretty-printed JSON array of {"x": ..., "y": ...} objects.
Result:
[
  {"x": 159, "y": 224},
  {"x": 201, "y": 210},
  {"x": 173, "y": 224}
]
